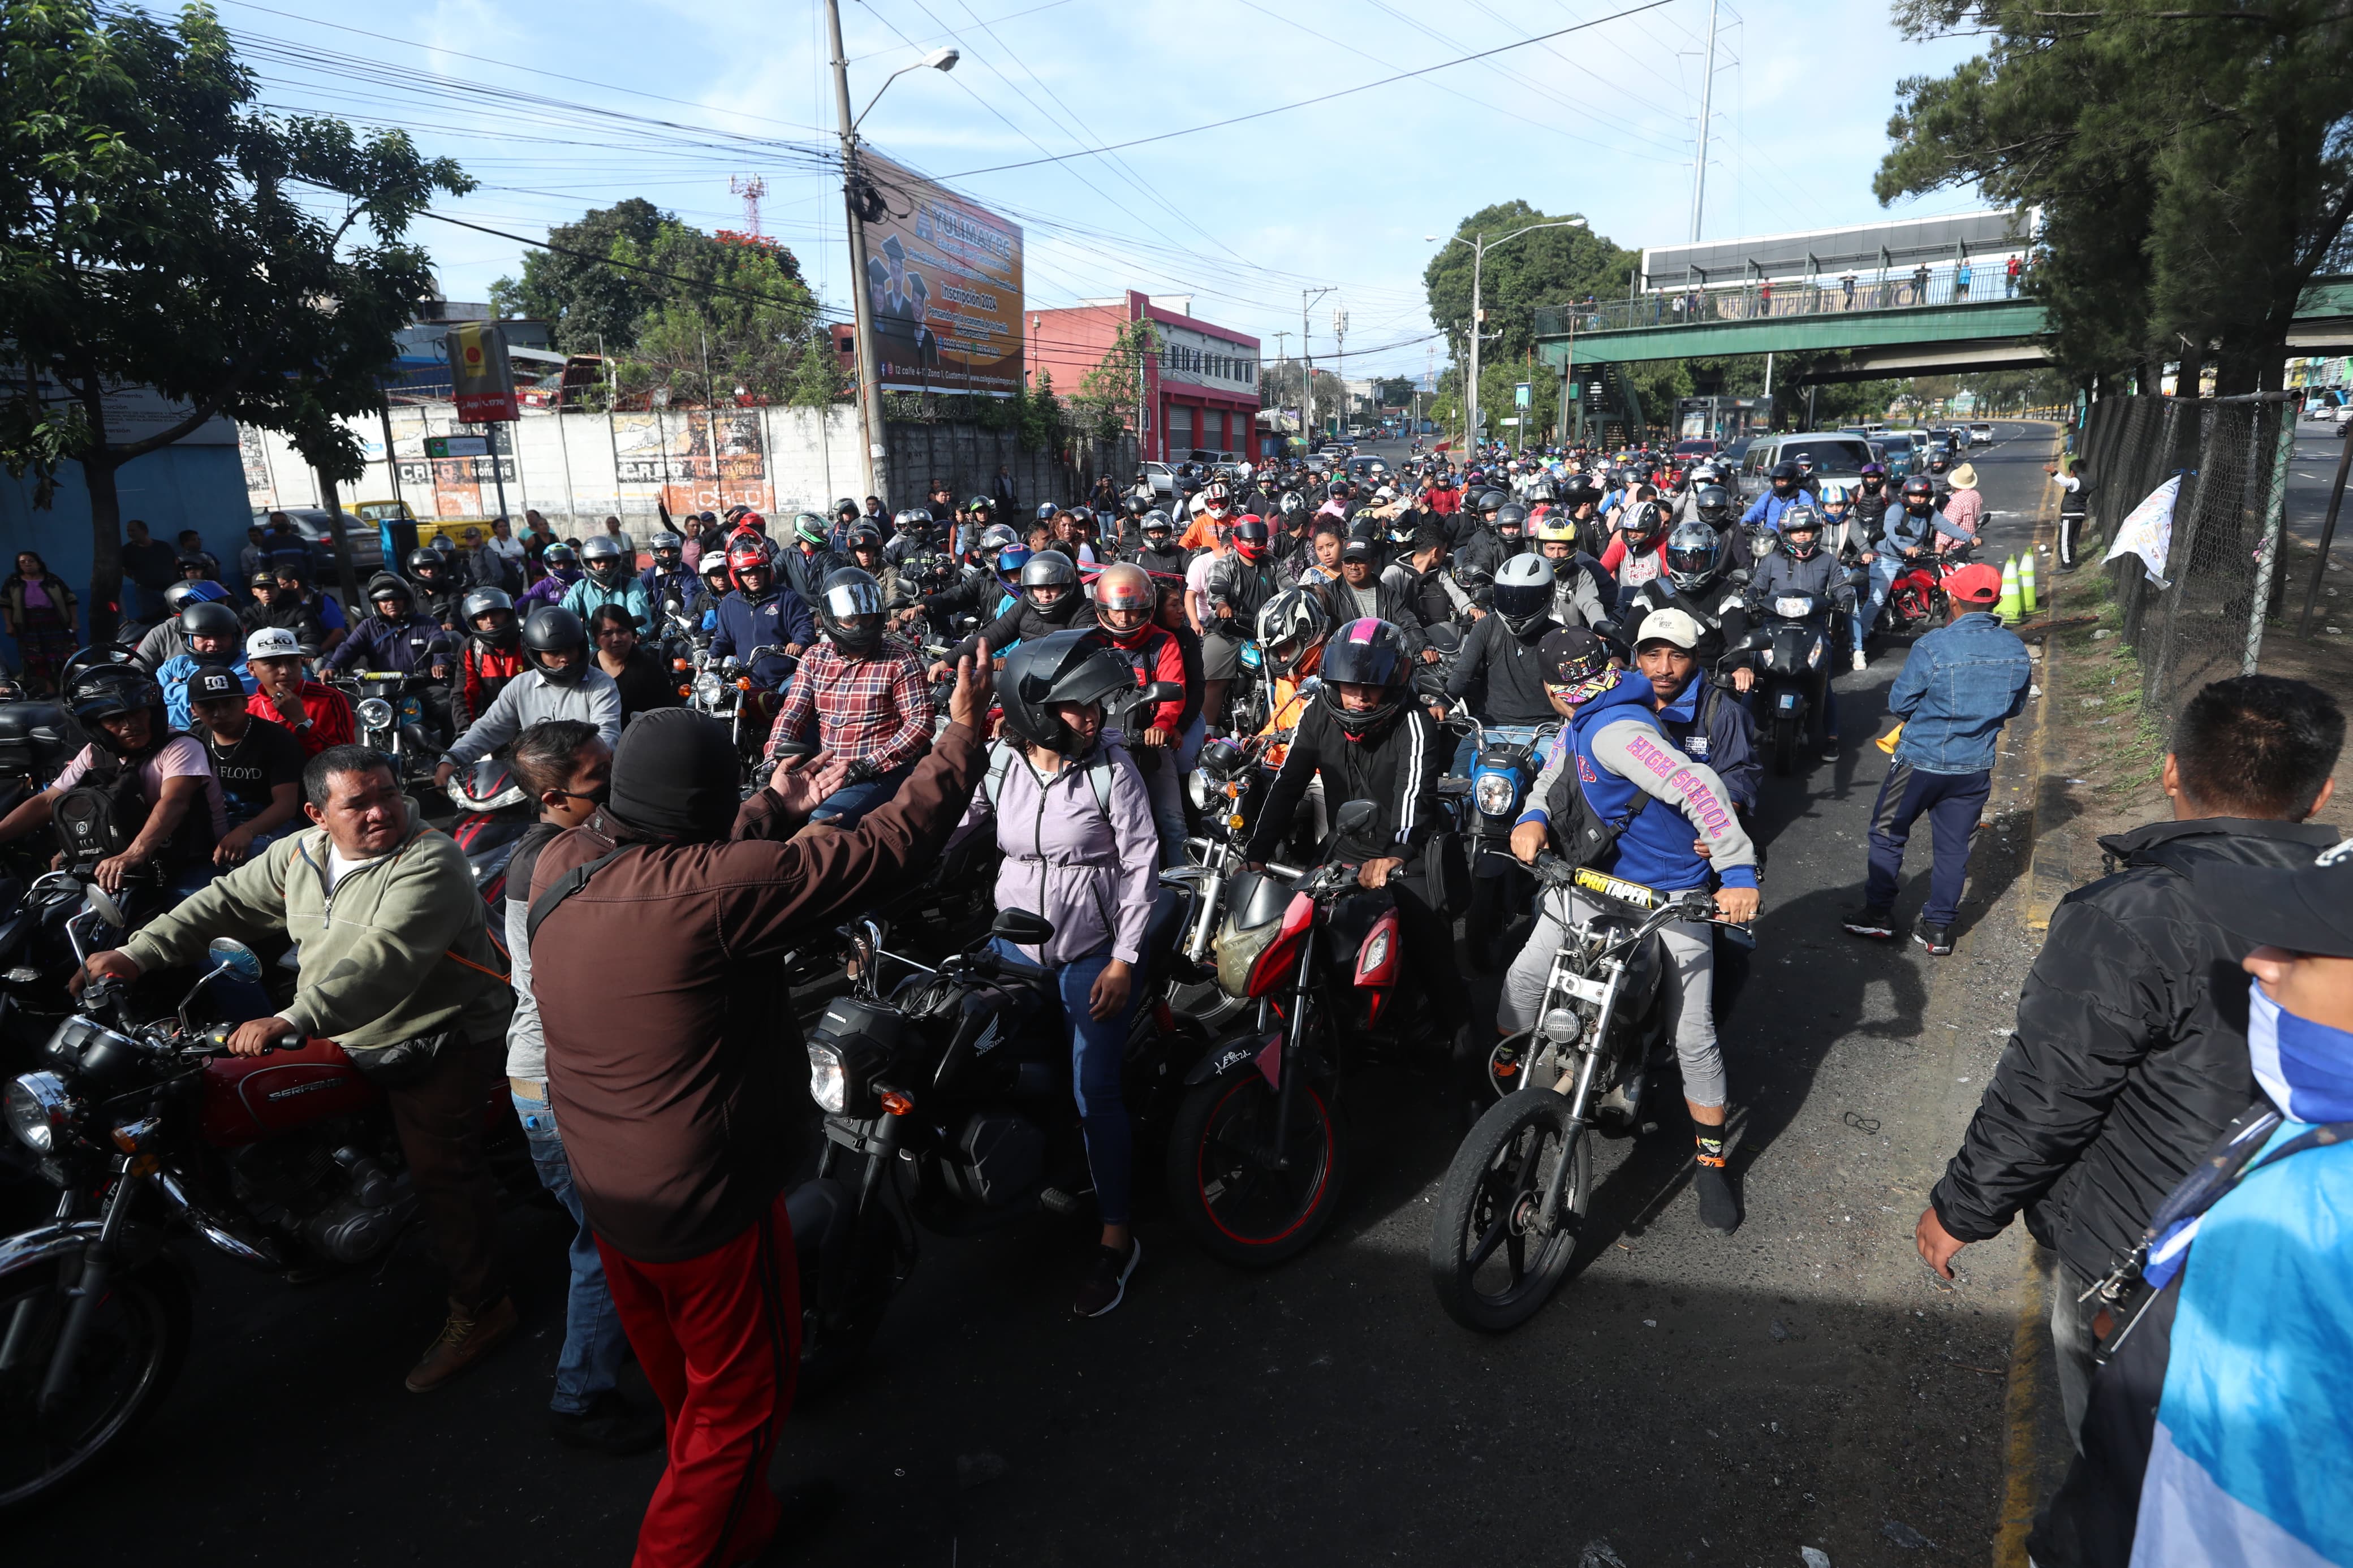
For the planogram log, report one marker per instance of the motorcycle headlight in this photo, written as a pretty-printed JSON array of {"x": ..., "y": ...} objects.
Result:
[
  {"x": 374, "y": 713},
  {"x": 1198, "y": 789},
  {"x": 828, "y": 1080},
  {"x": 706, "y": 687},
  {"x": 1794, "y": 606},
  {"x": 39, "y": 1109},
  {"x": 1494, "y": 793}
]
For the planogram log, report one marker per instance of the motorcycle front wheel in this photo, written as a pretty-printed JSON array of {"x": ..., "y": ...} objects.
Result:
[
  {"x": 1227, "y": 1193},
  {"x": 130, "y": 1354},
  {"x": 1785, "y": 744},
  {"x": 1491, "y": 1266}
]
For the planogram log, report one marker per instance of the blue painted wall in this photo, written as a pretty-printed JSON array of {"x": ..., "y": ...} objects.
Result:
[{"x": 201, "y": 488}]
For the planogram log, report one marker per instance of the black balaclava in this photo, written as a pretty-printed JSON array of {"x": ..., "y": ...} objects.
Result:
[{"x": 674, "y": 777}]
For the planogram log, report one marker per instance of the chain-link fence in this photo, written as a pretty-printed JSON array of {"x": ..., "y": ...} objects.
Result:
[{"x": 2204, "y": 620}]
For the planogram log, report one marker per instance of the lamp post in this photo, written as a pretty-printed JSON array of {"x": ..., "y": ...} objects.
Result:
[
  {"x": 870, "y": 394},
  {"x": 1479, "y": 245}
]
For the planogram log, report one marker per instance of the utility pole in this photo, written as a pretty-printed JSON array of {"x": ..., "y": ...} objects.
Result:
[
  {"x": 870, "y": 394},
  {"x": 1340, "y": 336},
  {"x": 1478, "y": 323},
  {"x": 1706, "y": 89},
  {"x": 1307, "y": 298}
]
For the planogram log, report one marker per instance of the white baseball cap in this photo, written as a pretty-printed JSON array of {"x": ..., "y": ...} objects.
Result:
[
  {"x": 1674, "y": 626},
  {"x": 273, "y": 642}
]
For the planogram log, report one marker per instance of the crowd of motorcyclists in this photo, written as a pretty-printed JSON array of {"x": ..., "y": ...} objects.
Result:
[{"x": 1419, "y": 684}]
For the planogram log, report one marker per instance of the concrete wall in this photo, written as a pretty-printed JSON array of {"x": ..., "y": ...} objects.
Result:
[
  {"x": 573, "y": 469},
  {"x": 198, "y": 487}
]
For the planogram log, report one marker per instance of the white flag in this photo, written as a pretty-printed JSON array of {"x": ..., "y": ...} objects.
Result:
[{"x": 2148, "y": 530}]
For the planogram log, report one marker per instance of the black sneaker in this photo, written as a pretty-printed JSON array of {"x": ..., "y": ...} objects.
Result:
[
  {"x": 1106, "y": 1285},
  {"x": 1719, "y": 1201},
  {"x": 1870, "y": 922},
  {"x": 610, "y": 1425},
  {"x": 1937, "y": 939}
]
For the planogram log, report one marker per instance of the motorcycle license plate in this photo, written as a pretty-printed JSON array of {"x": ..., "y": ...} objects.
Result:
[{"x": 1625, "y": 892}]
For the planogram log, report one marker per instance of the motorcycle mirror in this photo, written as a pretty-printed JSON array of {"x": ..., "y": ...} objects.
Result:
[
  {"x": 1740, "y": 577},
  {"x": 1355, "y": 817},
  {"x": 1162, "y": 691},
  {"x": 227, "y": 953},
  {"x": 1021, "y": 927},
  {"x": 98, "y": 899},
  {"x": 672, "y": 606},
  {"x": 1310, "y": 687}
]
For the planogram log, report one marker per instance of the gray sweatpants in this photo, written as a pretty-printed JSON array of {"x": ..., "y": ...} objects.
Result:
[{"x": 1690, "y": 995}]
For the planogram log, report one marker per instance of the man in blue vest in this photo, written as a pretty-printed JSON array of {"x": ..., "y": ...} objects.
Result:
[{"x": 1613, "y": 752}]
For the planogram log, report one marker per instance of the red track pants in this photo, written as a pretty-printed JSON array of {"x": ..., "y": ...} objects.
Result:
[{"x": 719, "y": 1337}]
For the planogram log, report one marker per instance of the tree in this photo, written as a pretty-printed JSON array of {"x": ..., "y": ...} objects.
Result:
[
  {"x": 155, "y": 229},
  {"x": 2195, "y": 166},
  {"x": 1550, "y": 267},
  {"x": 593, "y": 308},
  {"x": 738, "y": 308},
  {"x": 1109, "y": 396}
]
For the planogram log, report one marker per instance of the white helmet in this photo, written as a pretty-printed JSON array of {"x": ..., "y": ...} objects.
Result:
[{"x": 1523, "y": 593}]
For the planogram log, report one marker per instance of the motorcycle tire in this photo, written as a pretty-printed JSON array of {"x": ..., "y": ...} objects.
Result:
[
  {"x": 1785, "y": 745},
  {"x": 1224, "y": 1199},
  {"x": 130, "y": 1358},
  {"x": 1489, "y": 1273}
]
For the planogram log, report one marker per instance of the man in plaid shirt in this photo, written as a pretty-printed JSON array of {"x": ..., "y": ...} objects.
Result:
[{"x": 867, "y": 695}]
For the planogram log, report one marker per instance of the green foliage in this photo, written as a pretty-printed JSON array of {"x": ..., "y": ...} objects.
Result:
[
  {"x": 741, "y": 304},
  {"x": 593, "y": 308},
  {"x": 2195, "y": 166},
  {"x": 1107, "y": 399},
  {"x": 817, "y": 379},
  {"x": 159, "y": 229},
  {"x": 1550, "y": 267}
]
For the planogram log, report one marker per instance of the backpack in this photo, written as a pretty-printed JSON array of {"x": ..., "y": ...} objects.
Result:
[
  {"x": 1000, "y": 758},
  {"x": 1584, "y": 836},
  {"x": 97, "y": 819}
]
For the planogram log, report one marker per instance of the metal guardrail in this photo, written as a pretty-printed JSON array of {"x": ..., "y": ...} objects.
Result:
[{"x": 1972, "y": 284}]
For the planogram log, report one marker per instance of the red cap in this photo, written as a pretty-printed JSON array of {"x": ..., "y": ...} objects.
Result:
[{"x": 1974, "y": 584}]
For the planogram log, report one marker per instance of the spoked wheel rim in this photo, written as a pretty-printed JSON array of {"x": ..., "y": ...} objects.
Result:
[
  {"x": 123, "y": 1356},
  {"x": 1505, "y": 1258},
  {"x": 1241, "y": 1192}
]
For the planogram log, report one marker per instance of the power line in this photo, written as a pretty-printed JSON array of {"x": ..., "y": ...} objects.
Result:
[{"x": 1311, "y": 102}]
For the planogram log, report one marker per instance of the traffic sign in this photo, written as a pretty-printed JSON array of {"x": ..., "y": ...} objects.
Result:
[
  {"x": 457, "y": 445},
  {"x": 1520, "y": 394}
]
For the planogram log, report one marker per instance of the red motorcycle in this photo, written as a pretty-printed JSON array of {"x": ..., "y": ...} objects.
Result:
[
  {"x": 1916, "y": 599},
  {"x": 1258, "y": 1154},
  {"x": 287, "y": 1160}
]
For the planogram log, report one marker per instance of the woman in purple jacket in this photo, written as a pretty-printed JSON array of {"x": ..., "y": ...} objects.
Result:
[{"x": 1074, "y": 819}]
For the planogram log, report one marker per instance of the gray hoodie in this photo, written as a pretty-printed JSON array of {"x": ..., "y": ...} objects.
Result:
[{"x": 530, "y": 698}]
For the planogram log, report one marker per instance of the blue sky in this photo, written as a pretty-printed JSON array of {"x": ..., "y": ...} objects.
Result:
[{"x": 563, "y": 108}]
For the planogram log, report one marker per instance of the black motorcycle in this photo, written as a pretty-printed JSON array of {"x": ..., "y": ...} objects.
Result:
[
  {"x": 1793, "y": 643},
  {"x": 948, "y": 1108}
]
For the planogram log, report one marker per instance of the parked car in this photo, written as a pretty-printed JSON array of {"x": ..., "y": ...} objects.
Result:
[
  {"x": 1837, "y": 455},
  {"x": 312, "y": 523},
  {"x": 1162, "y": 477},
  {"x": 1367, "y": 467}
]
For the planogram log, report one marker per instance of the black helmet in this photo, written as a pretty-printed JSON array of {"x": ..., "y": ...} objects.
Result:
[
  {"x": 1713, "y": 504},
  {"x": 849, "y": 608},
  {"x": 1523, "y": 593},
  {"x": 1365, "y": 652},
  {"x": 489, "y": 602},
  {"x": 668, "y": 549},
  {"x": 560, "y": 554},
  {"x": 1511, "y": 519},
  {"x": 110, "y": 691},
  {"x": 554, "y": 629},
  {"x": 1048, "y": 569},
  {"x": 208, "y": 618},
  {"x": 1477, "y": 582},
  {"x": 1802, "y": 520},
  {"x": 1920, "y": 495},
  {"x": 1693, "y": 550},
  {"x": 844, "y": 505},
  {"x": 426, "y": 567},
  {"x": 1491, "y": 500},
  {"x": 384, "y": 586},
  {"x": 1785, "y": 477},
  {"x": 1155, "y": 523},
  {"x": 864, "y": 535},
  {"x": 1074, "y": 666}
]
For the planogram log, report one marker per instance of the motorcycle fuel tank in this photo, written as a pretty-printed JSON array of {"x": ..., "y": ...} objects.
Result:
[{"x": 247, "y": 1099}]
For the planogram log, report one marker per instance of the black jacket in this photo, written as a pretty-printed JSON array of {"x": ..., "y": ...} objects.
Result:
[
  {"x": 1027, "y": 623},
  {"x": 1397, "y": 772},
  {"x": 1499, "y": 675},
  {"x": 1340, "y": 603},
  {"x": 2131, "y": 1049}
]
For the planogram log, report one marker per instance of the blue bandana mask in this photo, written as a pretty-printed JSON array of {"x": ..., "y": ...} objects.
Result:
[{"x": 2305, "y": 1067}]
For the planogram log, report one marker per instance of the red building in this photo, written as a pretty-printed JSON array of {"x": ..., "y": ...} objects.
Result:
[{"x": 1201, "y": 391}]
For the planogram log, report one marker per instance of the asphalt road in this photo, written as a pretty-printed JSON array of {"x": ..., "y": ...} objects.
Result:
[{"x": 1686, "y": 1398}]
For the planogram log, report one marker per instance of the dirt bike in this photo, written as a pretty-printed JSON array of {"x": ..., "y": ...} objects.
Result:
[{"x": 1513, "y": 1205}]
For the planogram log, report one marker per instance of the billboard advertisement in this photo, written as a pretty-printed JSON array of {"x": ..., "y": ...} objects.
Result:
[{"x": 943, "y": 289}]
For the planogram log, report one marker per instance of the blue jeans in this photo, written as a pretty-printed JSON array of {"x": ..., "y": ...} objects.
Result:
[
  {"x": 1098, "y": 1050},
  {"x": 847, "y": 806},
  {"x": 593, "y": 1342},
  {"x": 1952, "y": 802}
]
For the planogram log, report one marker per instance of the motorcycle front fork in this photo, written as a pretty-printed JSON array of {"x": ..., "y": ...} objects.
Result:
[
  {"x": 1580, "y": 1092},
  {"x": 82, "y": 1297}
]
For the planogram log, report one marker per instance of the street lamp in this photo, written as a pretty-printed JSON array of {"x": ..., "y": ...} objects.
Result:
[
  {"x": 1479, "y": 245},
  {"x": 870, "y": 394}
]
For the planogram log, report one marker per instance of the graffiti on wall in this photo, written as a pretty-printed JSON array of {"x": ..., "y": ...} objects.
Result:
[{"x": 696, "y": 459}]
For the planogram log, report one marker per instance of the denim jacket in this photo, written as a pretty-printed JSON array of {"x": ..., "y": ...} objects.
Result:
[{"x": 1960, "y": 685}]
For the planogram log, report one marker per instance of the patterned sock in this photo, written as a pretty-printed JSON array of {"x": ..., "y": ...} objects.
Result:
[{"x": 1711, "y": 1144}]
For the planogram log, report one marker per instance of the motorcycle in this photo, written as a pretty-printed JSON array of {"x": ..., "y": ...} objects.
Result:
[
  {"x": 1258, "y": 1153},
  {"x": 947, "y": 1109},
  {"x": 1792, "y": 646},
  {"x": 389, "y": 708},
  {"x": 1490, "y": 802},
  {"x": 494, "y": 811},
  {"x": 1511, "y": 1209},
  {"x": 147, "y": 1128},
  {"x": 724, "y": 692},
  {"x": 1916, "y": 597},
  {"x": 1227, "y": 905}
]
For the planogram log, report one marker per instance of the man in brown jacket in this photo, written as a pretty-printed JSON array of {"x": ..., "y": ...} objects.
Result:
[{"x": 674, "y": 1069}]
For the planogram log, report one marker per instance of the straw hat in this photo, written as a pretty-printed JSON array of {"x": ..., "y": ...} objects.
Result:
[{"x": 1965, "y": 477}]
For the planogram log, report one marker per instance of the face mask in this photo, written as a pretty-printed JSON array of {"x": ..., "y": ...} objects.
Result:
[{"x": 2305, "y": 1067}]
